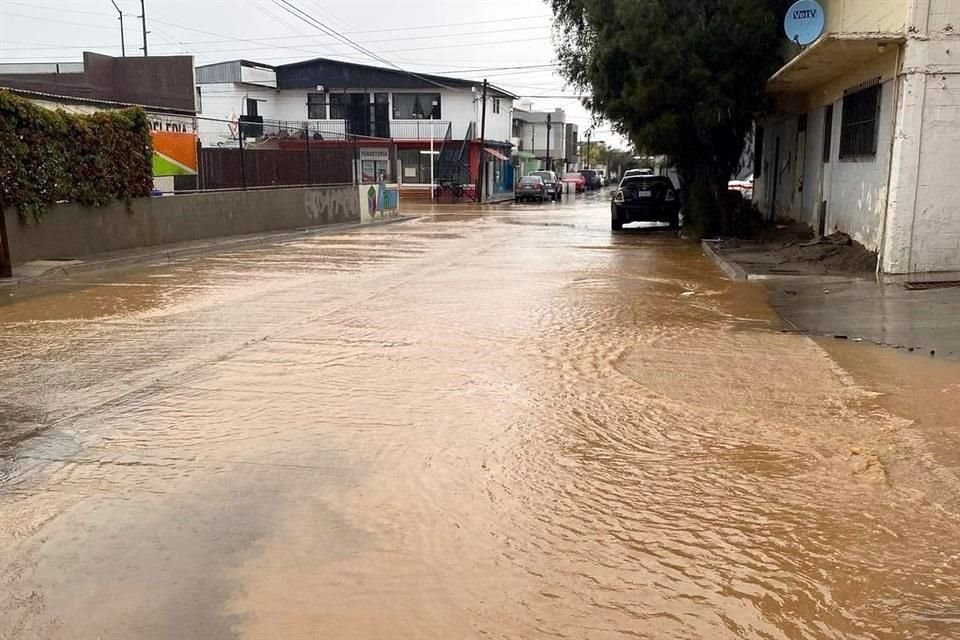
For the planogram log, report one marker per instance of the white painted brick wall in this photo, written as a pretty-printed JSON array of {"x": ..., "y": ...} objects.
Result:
[{"x": 935, "y": 237}]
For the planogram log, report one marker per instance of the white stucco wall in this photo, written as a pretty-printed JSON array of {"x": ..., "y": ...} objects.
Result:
[
  {"x": 782, "y": 169},
  {"x": 858, "y": 194},
  {"x": 811, "y": 197}
]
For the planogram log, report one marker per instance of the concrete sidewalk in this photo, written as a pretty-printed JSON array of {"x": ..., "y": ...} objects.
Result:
[
  {"x": 41, "y": 270},
  {"x": 859, "y": 308}
]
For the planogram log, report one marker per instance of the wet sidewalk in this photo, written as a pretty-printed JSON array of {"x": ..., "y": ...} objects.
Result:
[{"x": 858, "y": 308}]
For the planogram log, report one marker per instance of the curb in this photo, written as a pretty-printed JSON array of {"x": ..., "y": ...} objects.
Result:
[
  {"x": 730, "y": 269},
  {"x": 169, "y": 253}
]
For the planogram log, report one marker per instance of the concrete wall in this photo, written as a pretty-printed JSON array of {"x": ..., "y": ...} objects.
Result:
[
  {"x": 858, "y": 193},
  {"x": 860, "y": 16},
  {"x": 73, "y": 231},
  {"x": 778, "y": 173},
  {"x": 855, "y": 191},
  {"x": 812, "y": 177},
  {"x": 923, "y": 219}
]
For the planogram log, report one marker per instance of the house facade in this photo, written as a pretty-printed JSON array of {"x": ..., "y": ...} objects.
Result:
[
  {"x": 430, "y": 119},
  {"x": 865, "y": 138},
  {"x": 544, "y": 139}
]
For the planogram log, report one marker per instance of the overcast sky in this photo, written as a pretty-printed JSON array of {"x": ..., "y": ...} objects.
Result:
[{"x": 463, "y": 38}]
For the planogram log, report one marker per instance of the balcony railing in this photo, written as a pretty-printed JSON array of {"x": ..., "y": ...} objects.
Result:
[
  {"x": 420, "y": 129},
  {"x": 342, "y": 129}
]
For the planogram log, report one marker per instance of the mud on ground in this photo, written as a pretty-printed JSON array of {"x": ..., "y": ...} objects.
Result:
[{"x": 792, "y": 249}]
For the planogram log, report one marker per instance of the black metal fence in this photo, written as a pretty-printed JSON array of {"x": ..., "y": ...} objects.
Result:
[{"x": 251, "y": 153}]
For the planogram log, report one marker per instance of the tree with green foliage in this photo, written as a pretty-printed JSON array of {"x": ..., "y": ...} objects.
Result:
[{"x": 681, "y": 78}]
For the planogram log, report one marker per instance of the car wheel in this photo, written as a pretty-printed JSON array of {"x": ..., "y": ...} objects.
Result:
[
  {"x": 675, "y": 222},
  {"x": 616, "y": 221}
]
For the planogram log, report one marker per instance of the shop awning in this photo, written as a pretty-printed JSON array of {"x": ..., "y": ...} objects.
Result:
[
  {"x": 496, "y": 154},
  {"x": 832, "y": 56}
]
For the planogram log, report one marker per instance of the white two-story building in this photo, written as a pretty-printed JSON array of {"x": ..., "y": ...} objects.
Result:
[
  {"x": 339, "y": 101},
  {"x": 866, "y": 134}
]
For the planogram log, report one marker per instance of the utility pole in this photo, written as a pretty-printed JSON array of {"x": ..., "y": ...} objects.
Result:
[
  {"x": 589, "y": 133},
  {"x": 143, "y": 24},
  {"x": 533, "y": 142},
  {"x": 481, "y": 181},
  {"x": 123, "y": 46},
  {"x": 548, "y": 140}
]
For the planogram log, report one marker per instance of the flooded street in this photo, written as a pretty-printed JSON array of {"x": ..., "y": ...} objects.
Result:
[{"x": 500, "y": 424}]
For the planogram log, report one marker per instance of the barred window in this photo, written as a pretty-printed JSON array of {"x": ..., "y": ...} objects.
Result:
[
  {"x": 316, "y": 106},
  {"x": 861, "y": 115}
]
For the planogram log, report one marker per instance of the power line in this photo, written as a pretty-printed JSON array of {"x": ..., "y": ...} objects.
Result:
[{"x": 59, "y": 10}]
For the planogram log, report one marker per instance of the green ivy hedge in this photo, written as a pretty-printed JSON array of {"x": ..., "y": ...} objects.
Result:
[{"x": 51, "y": 156}]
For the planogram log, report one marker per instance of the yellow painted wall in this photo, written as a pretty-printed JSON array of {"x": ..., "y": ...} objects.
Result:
[
  {"x": 856, "y": 16},
  {"x": 884, "y": 66}
]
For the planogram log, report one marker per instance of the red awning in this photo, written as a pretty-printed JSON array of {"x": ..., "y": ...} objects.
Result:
[{"x": 496, "y": 154}]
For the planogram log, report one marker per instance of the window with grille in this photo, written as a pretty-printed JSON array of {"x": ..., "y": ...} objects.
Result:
[
  {"x": 316, "y": 106},
  {"x": 416, "y": 106},
  {"x": 861, "y": 115},
  {"x": 496, "y": 105}
]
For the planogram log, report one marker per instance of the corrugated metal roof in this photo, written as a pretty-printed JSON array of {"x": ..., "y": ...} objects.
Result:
[{"x": 219, "y": 73}]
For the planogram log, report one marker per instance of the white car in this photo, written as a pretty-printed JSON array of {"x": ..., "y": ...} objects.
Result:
[
  {"x": 745, "y": 187},
  {"x": 629, "y": 173}
]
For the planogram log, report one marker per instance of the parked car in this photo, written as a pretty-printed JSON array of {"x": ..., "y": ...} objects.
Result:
[
  {"x": 592, "y": 178},
  {"x": 743, "y": 187},
  {"x": 580, "y": 184},
  {"x": 645, "y": 199},
  {"x": 530, "y": 188},
  {"x": 554, "y": 186},
  {"x": 637, "y": 172}
]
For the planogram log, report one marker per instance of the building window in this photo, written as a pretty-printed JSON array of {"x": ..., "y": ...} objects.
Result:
[
  {"x": 316, "y": 106},
  {"x": 340, "y": 106},
  {"x": 416, "y": 106},
  {"x": 828, "y": 134},
  {"x": 496, "y": 105},
  {"x": 861, "y": 115}
]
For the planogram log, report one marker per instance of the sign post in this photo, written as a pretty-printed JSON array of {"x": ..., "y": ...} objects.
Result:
[{"x": 805, "y": 22}]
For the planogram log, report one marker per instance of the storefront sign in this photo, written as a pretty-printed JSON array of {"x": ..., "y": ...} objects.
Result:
[{"x": 375, "y": 155}]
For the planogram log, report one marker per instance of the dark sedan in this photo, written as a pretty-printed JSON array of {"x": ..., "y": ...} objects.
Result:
[
  {"x": 530, "y": 188},
  {"x": 645, "y": 199}
]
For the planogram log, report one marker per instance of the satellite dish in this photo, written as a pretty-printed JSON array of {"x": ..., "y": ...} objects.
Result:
[{"x": 805, "y": 22}]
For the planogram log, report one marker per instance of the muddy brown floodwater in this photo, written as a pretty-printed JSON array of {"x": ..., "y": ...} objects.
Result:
[{"x": 500, "y": 424}]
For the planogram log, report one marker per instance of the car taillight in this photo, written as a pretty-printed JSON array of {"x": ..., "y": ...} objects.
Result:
[
  {"x": 618, "y": 197},
  {"x": 671, "y": 196}
]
